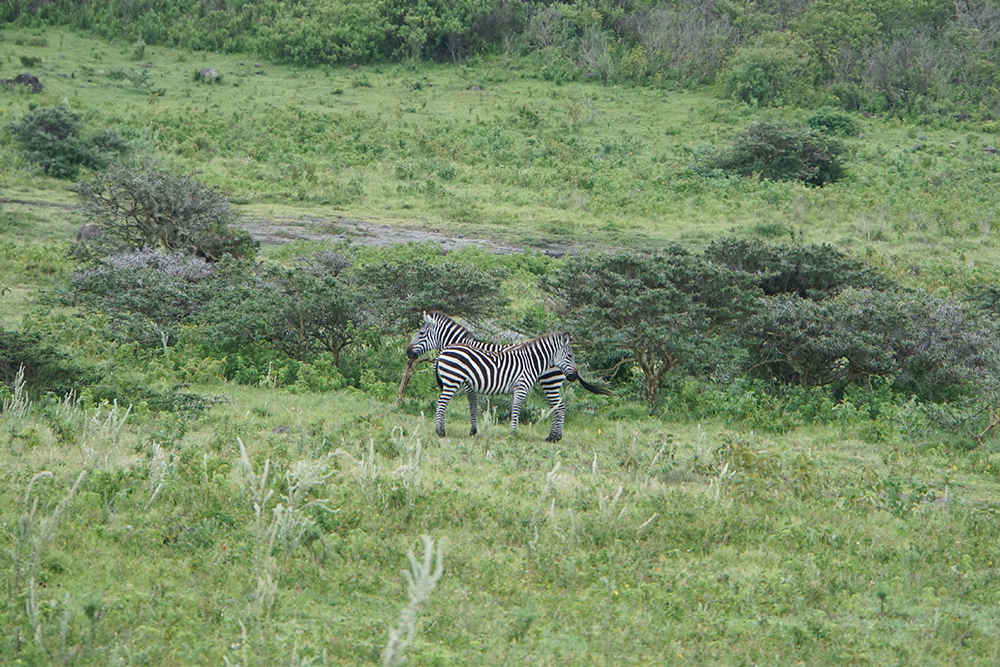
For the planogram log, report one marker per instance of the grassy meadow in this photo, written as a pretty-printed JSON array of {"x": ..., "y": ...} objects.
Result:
[{"x": 273, "y": 524}]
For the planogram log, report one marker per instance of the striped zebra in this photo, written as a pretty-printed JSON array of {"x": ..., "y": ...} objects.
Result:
[
  {"x": 440, "y": 331},
  {"x": 513, "y": 370}
]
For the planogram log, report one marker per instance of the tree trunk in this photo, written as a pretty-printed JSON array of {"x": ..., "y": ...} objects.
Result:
[{"x": 411, "y": 365}]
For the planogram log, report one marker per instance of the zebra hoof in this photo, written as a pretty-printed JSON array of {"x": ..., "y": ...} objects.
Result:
[
  {"x": 473, "y": 432},
  {"x": 440, "y": 432},
  {"x": 553, "y": 438}
]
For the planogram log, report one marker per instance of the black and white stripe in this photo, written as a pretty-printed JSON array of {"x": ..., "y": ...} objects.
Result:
[
  {"x": 511, "y": 370},
  {"x": 440, "y": 331}
]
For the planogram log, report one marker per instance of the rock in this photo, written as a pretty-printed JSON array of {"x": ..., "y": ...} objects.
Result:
[
  {"x": 209, "y": 75},
  {"x": 25, "y": 79},
  {"x": 88, "y": 231}
]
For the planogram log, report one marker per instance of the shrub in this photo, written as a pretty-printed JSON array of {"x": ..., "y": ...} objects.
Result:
[
  {"x": 661, "y": 311},
  {"x": 772, "y": 70},
  {"x": 45, "y": 367},
  {"x": 780, "y": 153},
  {"x": 51, "y": 137},
  {"x": 832, "y": 122},
  {"x": 904, "y": 75},
  {"x": 926, "y": 347},
  {"x": 838, "y": 341},
  {"x": 298, "y": 313},
  {"x": 148, "y": 295},
  {"x": 837, "y": 30},
  {"x": 809, "y": 271},
  {"x": 150, "y": 208},
  {"x": 403, "y": 290}
]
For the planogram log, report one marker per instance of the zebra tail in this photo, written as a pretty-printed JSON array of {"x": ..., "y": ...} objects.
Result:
[{"x": 594, "y": 389}]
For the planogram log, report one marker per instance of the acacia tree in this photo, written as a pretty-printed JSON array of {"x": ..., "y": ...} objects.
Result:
[
  {"x": 143, "y": 208},
  {"x": 660, "y": 310},
  {"x": 404, "y": 289},
  {"x": 927, "y": 347}
]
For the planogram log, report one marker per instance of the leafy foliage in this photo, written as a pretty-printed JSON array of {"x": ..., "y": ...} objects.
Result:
[
  {"x": 903, "y": 57},
  {"x": 774, "y": 151},
  {"x": 300, "y": 318},
  {"x": 925, "y": 346},
  {"x": 52, "y": 138},
  {"x": 836, "y": 30},
  {"x": 809, "y": 271},
  {"x": 772, "y": 70},
  {"x": 46, "y": 368},
  {"x": 405, "y": 289},
  {"x": 144, "y": 208},
  {"x": 302, "y": 313},
  {"x": 662, "y": 311},
  {"x": 149, "y": 295},
  {"x": 832, "y": 122}
]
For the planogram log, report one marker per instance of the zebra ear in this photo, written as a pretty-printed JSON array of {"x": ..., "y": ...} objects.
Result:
[
  {"x": 569, "y": 337},
  {"x": 427, "y": 318}
]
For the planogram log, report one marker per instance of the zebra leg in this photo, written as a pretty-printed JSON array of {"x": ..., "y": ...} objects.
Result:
[
  {"x": 447, "y": 391},
  {"x": 558, "y": 417},
  {"x": 516, "y": 403},
  {"x": 473, "y": 407},
  {"x": 554, "y": 397}
]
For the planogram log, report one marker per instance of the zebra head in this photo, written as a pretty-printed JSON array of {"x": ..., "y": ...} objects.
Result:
[
  {"x": 562, "y": 355},
  {"x": 436, "y": 333},
  {"x": 427, "y": 338}
]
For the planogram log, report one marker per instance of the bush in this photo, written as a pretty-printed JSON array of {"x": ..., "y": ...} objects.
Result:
[
  {"x": 45, "y": 367},
  {"x": 780, "y": 153},
  {"x": 403, "y": 290},
  {"x": 809, "y": 271},
  {"x": 150, "y": 208},
  {"x": 838, "y": 31},
  {"x": 772, "y": 70},
  {"x": 843, "y": 340},
  {"x": 663, "y": 311},
  {"x": 926, "y": 347},
  {"x": 148, "y": 295},
  {"x": 832, "y": 122},
  {"x": 51, "y": 137}
]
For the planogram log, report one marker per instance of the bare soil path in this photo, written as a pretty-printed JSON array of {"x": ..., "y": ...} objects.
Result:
[
  {"x": 282, "y": 229},
  {"x": 278, "y": 230}
]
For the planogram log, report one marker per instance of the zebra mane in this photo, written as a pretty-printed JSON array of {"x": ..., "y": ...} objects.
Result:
[
  {"x": 444, "y": 318},
  {"x": 539, "y": 339}
]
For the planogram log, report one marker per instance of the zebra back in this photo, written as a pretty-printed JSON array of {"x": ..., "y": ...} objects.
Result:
[
  {"x": 493, "y": 372},
  {"x": 440, "y": 331}
]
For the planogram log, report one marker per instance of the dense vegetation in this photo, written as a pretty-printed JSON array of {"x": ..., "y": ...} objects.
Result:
[
  {"x": 902, "y": 56},
  {"x": 793, "y": 301}
]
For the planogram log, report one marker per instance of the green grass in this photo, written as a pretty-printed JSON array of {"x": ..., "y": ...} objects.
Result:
[
  {"x": 649, "y": 542},
  {"x": 636, "y": 540},
  {"x": 487, "y": 148}
]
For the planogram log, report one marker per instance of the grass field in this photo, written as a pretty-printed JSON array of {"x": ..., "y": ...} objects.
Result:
[{"x": 274, "y": 526}]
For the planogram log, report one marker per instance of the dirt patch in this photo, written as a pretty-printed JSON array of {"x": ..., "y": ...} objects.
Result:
[
  {"x": 279, "y": 230},
  {"x": 283, "y": 229}
]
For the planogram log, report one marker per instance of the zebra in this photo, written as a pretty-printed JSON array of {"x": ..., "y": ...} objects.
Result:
[
  {"x": 513, "y": 370},
  {"x": 440, "y": 331}
]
